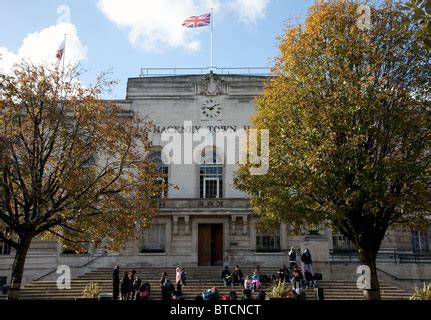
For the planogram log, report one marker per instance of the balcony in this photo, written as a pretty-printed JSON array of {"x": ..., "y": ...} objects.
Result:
[{"x": 222, "y": 204}]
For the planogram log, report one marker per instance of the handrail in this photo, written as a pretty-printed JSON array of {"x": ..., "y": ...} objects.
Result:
[
  {"x": 151, "y": 72},
  {"x": 399, "y": 279},
  {"x": 104, "y": 254},
  {"x": 396, "y": 255}
]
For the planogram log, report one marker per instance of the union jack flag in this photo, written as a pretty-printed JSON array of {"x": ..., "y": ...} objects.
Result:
[{"x": 198, "y": 21}]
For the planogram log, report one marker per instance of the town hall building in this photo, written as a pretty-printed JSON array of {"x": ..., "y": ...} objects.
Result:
[{"x": 204, "y": 220}]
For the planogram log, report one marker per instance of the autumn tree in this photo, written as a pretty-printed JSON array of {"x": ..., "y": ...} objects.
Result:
[
  {"x": 349, "y": 117},
  {"x": 72, "y": 165},
  {"x": 420, "y": 12}
]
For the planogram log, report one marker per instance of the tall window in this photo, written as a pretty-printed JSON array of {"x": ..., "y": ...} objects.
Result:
[
  {"x": 156, "y": 157},
  {"x": 4, "y": 249},
  {"x": 420, "y": 242},
  {"x": 153, "y": 239},
  {"x": 3, "y": 282},
  {"x": 211, "y": 175},
  {"x": 268, "y": 242}
]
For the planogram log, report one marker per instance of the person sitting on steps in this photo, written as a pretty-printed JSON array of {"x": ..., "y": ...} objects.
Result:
[
  {"x": 226, "y": 276},
  {"x": 237, "y": 277}
]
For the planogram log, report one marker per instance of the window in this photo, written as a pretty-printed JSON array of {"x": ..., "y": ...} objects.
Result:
[
  {"x": 4, "y": 249},
  {"x": 268, "y": 242},
  {"x": 164, "y": 173},
  {"x": 341, "y": 243},
  {"x": 153, "y": 239},
  {"x": 420, "y": 242},
  {"x": 211, "y": 176},
  {"x": 3, "y": 282}
]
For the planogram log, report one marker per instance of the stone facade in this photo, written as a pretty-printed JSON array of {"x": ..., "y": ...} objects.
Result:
[{"x": 193, "y": 228}]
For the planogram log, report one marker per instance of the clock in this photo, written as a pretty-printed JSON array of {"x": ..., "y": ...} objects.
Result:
[{"x": 211, "y": 109}]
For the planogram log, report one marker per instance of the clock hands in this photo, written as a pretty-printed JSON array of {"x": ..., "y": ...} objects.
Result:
[{"x": 211, "y": 109}]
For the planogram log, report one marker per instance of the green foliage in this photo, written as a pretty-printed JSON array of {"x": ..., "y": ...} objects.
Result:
[
  {"x": 91, "y": 291},
  {"x": 73, "y": 166},
  {"x": 420, "y": 12},
  {"x": 349, "y": 118},
  {"x": 280, "y": 290},
  {"x": 422, "y": 293}
]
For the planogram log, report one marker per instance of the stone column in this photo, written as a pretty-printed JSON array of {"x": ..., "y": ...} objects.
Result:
[
  {"x": 187, "y": 225},
  {"x": 175, "y": 218},
  {"x": 233, "y": 224},
  {"x": 244, "y": 225}
]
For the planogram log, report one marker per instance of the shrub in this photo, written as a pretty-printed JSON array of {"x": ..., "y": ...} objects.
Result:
[
  {"x": 422, "y": 293},
  {"x": 91, "y": 291}
]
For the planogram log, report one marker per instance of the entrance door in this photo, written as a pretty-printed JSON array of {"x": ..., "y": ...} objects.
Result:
[
  {"x": 211, "y": 188},
  {"x": 210, "y": 245}
]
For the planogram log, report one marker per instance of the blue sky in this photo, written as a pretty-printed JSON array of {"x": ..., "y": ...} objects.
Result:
[{"x": 127, "y": 35}]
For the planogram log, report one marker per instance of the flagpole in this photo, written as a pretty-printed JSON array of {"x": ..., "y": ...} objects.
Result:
[
  {"x": 64, "y": 56},
  {"x": 212, "y": 39}
]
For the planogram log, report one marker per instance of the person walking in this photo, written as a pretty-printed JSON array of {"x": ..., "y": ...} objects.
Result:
[
  {"x": 116, "y": 283},
  {"x": 166, "y": 287},
  {"x": 178, "y": 280}
]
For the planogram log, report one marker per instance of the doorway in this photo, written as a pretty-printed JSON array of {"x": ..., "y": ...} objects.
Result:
[{"x": 210, "y": 244}]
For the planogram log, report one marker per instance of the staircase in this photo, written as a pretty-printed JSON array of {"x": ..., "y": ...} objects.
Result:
[{"x": 199, "y": 279}]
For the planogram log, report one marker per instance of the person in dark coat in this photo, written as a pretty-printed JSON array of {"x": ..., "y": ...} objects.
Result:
[
  {"x": 125, "y": 287},
  {"x": 292, "y": 259},
  {"x": 226, "y": 276},
  {"x": 116, "y": 283},
  {"x": 166, "y": 287},
  {"x": 237, "y": 277},
  {"x": 297, "y": 278},
  {"x": 306, "y": 259},
  {"x": 283, "y": 273},
  {"x": 131, "y": 284}
]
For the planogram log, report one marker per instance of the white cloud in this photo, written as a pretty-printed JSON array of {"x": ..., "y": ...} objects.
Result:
[
  {"x": 155, "y": 25},
  {"x": 41, "y": 47},
  {"x": 250, "y": 10}
]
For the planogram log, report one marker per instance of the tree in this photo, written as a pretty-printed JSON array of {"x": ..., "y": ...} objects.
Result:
[
  {"x": 72, "y": 168},
  {"x": 349, "y": 119},
  {"x": 421, "y": 13}
]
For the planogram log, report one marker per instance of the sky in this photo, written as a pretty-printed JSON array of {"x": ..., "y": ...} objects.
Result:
[{"x": 123, "y": 36}]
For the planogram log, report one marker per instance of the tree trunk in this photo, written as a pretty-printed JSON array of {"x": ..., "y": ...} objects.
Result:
[
  {"x": 367, "y": 257},
  {"x": 18, "y": 269}
]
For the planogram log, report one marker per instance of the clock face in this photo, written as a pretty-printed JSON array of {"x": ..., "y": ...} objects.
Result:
[{"x": 211, "y": 109}]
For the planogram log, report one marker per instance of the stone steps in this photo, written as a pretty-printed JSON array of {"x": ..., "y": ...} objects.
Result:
[{"x": 199, "y": 279}]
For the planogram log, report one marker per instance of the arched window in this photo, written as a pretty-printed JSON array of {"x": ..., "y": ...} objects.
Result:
[
  {"x": 156, "y": 157},
  {"x": 211, "y": 174}
]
